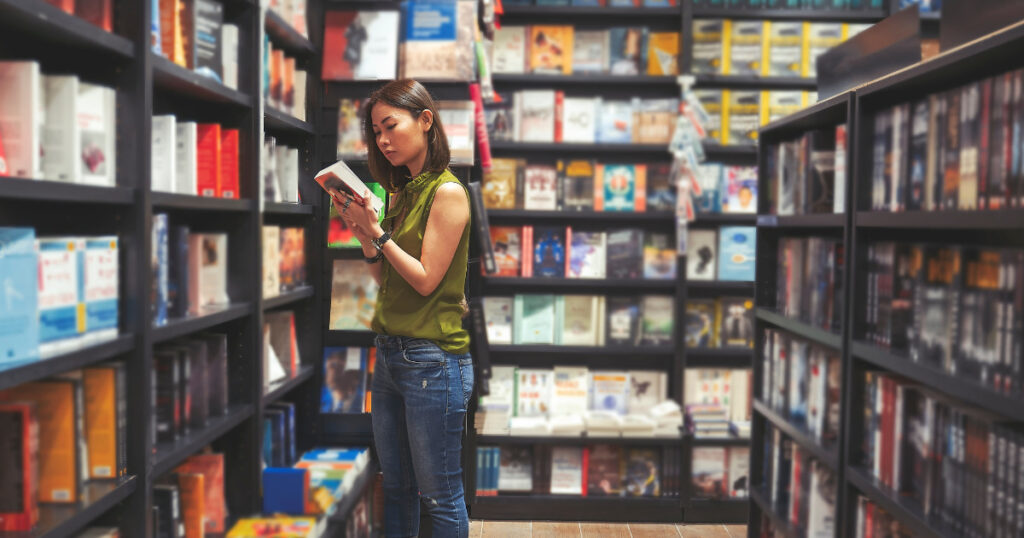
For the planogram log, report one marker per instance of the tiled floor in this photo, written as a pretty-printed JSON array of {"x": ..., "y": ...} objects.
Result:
[{"x": 559, "y": 529}]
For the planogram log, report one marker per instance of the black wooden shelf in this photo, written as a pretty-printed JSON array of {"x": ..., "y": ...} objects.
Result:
[
  {"x": 285, "y": 37},
  {"x": 169, "y": 455},
  {"x": 288, "y": 297},
  {"x": 50, "y": 23},
  {"x": 558, "y": 149},
  {"x": 720, "y": 287},
  {"x": 799, "y": 436},
  {"x": 171, "y": 77},
  {"x": 716, "y": 511},
  {"x": 343, "y": 509},
  {"x": 72, "y": 360},
  {"x": 902, "y": 508},
  {"x": 59, "y": 520},
  {"x": 1005, "y": 219},
  {"x": 722, "y": 357},
  {"x": 756, "y": 82},
  {"x": 58, "y": 191},
  {"x": 576, "y": 508},
  {"x": 350, "y": 338},
  {"x": 577, "y": 440},
  {"x": 286, "y": 208},
  {"x": 595, "y": 285},
  {"x": 816, "y": 221},
  {"x": 170, "y": 200},
  {"x": 594, "y": 357},
  {"x": 731, "y": 440},
  {"x": 801, "y": 329},
  {"x": 718, "y": 152},
  {"x": 936, "y": 379},
  {"x": 341, "y": 428},
  {"x": 211, "y": 317},
  {"x": 583, "y": 79},
  {"x": 284, "y": 387},
  {"x": 721, "y": 219},
  {"x": 623, "y": 351},
  {"x": 526, "y": 216},
  {"x": 782, "y": 525},
  {"x": 613, "y": 14},
  {"x": 813, "y": 15},
  {"x": 275, "y": 120}
]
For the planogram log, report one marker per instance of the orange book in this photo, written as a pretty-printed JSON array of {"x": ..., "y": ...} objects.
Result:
[
  {"x": 171, "y": 33},
  {"x": 100, "y": 386},
  {"x": 599, "y": 187},
  {"x": 54, "y": 401},
  {"x": 228, "y": 164},
  {"x": 66, "y": 5},
  {"x": 192, "y": 488},
  {"x": 19, "y": 434},
  {"x": 186, "y": 32},
  {"x": 208, "y": 159},
  {"x": 276, "y": 77},
  {"x": 640, "y": 188},
  {"x": 288, "y": 90},
  {"x": 550, "y": 49},
  {"x": 371, "y": 361},
  {"x": 97, "y": 12},
  {"x": 211, "y": 466}
]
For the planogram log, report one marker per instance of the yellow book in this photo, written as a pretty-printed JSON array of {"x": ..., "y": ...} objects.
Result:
[
  {"x": 742, "y": 117},
  {"x": 663, "y": 53},
  {"x": 551, "y": 49},
  {"x": 170, "y": 31},
  {"x": 499, "y": 184},
  {"x": 100, "y": 386},
  {"x": 708, "y": 45},
  {"x": 274, "y": 527},
  {"x": 821, "y": 36},
  {"x": 744, "y": 51},
  {"x": 784, "y": 54},
  {"x": 777, "y": 104}
]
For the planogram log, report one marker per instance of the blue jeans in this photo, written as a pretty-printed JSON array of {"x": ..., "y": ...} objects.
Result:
[{"x": 420, "y": 394}]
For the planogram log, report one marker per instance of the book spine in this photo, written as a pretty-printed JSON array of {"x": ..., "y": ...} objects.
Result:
[{"x": 559, "y": 113}]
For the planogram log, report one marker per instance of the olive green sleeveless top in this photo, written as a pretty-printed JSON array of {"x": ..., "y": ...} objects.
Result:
[{"x": 401, "y": 310}]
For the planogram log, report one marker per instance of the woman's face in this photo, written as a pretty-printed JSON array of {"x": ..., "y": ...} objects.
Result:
[{"x": 400, "y": 136}]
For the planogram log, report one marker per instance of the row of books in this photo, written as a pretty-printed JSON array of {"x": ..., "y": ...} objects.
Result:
[
  {"x": 765, "y": 48},
  {"x": 190, "y": 501},
  {"x": 279, "y": 435},
  {"x": 284, "y": 85},
  {"x": 353, "y": 296},
  {"x": 565, "y": 50},
  {"x": 720, "y": 472},
  {"x": 735, "y": 116},
  {"x": 717, "y": 401},
  {"x": 724, "y": 322},
  {"x": 951, "y": 307},
  {"x": 193, "y": 34},
  {"x": 292, "y": 12},
  {"x": 190, "y": 270},
  {"x": 801, "y": 489},
  {"x": 814, "y": 5},
  {"x": 190, "y": 385},
  {"x": 808, "y": 175},
  {"x": 959, "y": 464},
  {"x": 726, "y": 253},
  {"x": 348, "y": 379},
  {"x": 97, "y": 12},
  {"x": 557, "y": 252},
  {"x": 957, "y": 149},
  {"x": 457, "y": 115},
  {"x": 60, "y": 293},
  {"x": 801, "y": 381},
  {"x": 281, "y": 357},
  {"x": 280, "y": 171},
  {"x": 873, "y": 520},
  {"x": 595, "y": 3},
  {"x": 58, "y": 434},
  {"x": 580, "y": 320},
  {"x": 284, "y": 259},
  {"x": 435, "y": 42},
  {"x": 56, "y": 127},
  {"x": 548, "y": 116},
  {"x": 810, "y": 280},
  {"x": 598, "y": 470},
  {"x": 199, "y": 159},
  {"x": 317, "y": 481},
  {"x": 725, "y": 189}
]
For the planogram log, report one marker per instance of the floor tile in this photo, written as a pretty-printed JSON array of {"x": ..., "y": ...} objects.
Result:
[
  {"x": 703, "y": 531},
  {"x": 506, "y": 529},
  {"x": 737, "y": 531},
  {"x": 476, "y": 528},
  {"x": 604, "y": 530},
  {"x": 653, "y": 530},
  {"x": 556, "y": 529}
]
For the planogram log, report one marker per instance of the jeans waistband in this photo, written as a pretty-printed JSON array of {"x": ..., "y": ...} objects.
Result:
[{"x": 402, "y": 342}]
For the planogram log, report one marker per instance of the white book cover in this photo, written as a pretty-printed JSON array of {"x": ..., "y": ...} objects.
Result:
[
  {"x": 58, "y": 293},
  {"x": 163, "y": 157},
  {"x": 101, "y": 287},
  {"x": 609, "y": 391},
  {"x": 378, "y": 56},
  {"x": 528, "y": 426},
  {"x": 299, "y": 83},
  {"x": 580, "y": 320},
  {"x": 509, "y": 54},
  {"x": 822, "y": 503},
  {"x": 208, "y": 268},
  {"x": 533, "y": 392},
  {"x": 739, "y": 407},
  {"x": 579, "y": 119},
  {"x": 536, "y": 119},
  {"x": 702, "y": 254},
  {"x": 97, "y": 126},
  {"x": 567, "y": 425},
  {"x": 271, "y": 261},
  {"x": 570, "y": 393},
  {"x": 498, "y": 317},
  {"x": 647, "y": 388},
  {"x": 21, "y": 117},
  {"x": 738, "y": 474},
  {"x": 229, "y": 55},
  {"x": 502, "y": 385},
  {"x": 516, "y": 469},
  {"x": 816, "y": 405},
  {"x": 458, "y": 120},
  {"x": 540, "y": 188},
  {"x": 341, "y": 178},
  {"x": 186, "y": 168},
  {"x": 288, "y": 173},
  {"x": 567, "y": 470},
  {"x": 590, "y": 53},
  {"x": 60, "y": 137}
]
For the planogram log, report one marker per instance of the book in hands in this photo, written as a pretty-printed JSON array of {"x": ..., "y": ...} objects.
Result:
[{"x": 339, "y": 177}]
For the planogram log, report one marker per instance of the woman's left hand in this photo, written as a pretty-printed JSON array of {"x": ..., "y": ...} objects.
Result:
[{"x": 356, "y": 214}]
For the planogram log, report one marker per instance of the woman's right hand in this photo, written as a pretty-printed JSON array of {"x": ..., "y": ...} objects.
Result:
[{"x": 338, "y": 199}]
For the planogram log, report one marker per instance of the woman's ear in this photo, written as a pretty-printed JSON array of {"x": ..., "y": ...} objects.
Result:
[{"x": 426, "y": 119}]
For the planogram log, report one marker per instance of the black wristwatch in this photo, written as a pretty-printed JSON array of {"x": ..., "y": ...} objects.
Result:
[{"x": 379, "y": 242}]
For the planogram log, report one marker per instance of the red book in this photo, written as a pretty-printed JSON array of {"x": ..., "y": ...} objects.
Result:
[
  {"x": 586, "y": 470},
  {"x": 18, "y": 423},
  {"x": 4, "y": 170},
  {"x": 559, "y": 112},
  {"x": 483, "y": 143},
  {"x": 983, "y": 143},
  {"x": 97, "y": 12},
  {"x": 211, "y": 467},
  {"x": 208, "y": 167},
  {"x": 66, "y": 5},
  {"x": 228, "y": 164},
  {"x": 527, "y": 256}
]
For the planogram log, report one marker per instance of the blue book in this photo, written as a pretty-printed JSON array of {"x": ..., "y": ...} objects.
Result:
[
  {"x": 710, "y": 199},
  {"x": 19, "y": 314},
  {"x": 158, "y": 260},
  {"x": 278, "y": 437},
  {"x": 285, "y": 490},
  {"x": 619, "y": 183},
  {"x": 101, "y": 286},
  {"x": 736, "y": 249},
  {"x": 290, "y": 453},
  {"x": 552, "y": 2},
  {"x": 615, "y": 122},
  {"x": 622, "y": 3},
  {"x": 628, "y": 52},
  {"x": 549, "y": 252},
  {"x": 344, "y": 389},
  {"x": 60, "y": 291},
  {"x": 587, "y": 3},
  {"x": 341, "y": 454},
  {"x": 268, "y": 440},
  {"x": 659, "y": 3},
  {"x": 430, "y": 20}
]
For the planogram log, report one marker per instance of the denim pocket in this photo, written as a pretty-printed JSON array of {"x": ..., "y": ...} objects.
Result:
[
  {"x": 424, "y": 356},
  {"x": 466, "y": 367}
]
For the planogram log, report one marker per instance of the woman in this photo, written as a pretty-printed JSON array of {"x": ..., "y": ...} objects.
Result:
[{"x": 418, "y": 254}]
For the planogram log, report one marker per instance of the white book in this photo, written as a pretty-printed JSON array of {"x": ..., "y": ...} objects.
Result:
[
  {"x": 163, "y": 157},
  {"x": 509, "y": 55},
  {"x": 229, "y": 55},
  {"x": 648, "y": 388},
  {"x": 822, "y": 502},
  {"x": 609, "y": 391},
  {"x": 566, "y": 426},
  {"x": 702, "y": 254},
  {"x": 590, "y": 51},
  {"x": 299, "y": 106},
  {"x": 341, "y": 178},
  {"x": 608, "y": 422},
  {"x": 667, "y": 413},
  {"x": 97, "y": 129},
  {"x": 271, "y": 181},
  {"x": 378, "y": 56},
  {"x": 528, "y": 426},
  {"x": 101, "y": 287},
  {"x": 60, "y": 137},
  {"x": 739, "y": 406},
  {"x": 21, "y": 117},
  {"x": 638, "y": 426},
  {"x": 459, "y": 127},
  {"x": 579, "y": 119},
  {"x": 59, "y": 293},
  {"x": 502, "y": 385},
  {"x": 185, "y": 167},
  {"x": 271, "y": 261},
  {"x": 571, "y": 391},
  {"x": 566, "y": 470},
  {"x": 536, "y": 115},
  {"x": 533, "y": 392},
  {"x": 580, "y": 320},
  {"x": 737, "y": 474},
  {"x": 208, "y": 269},
  {"x": 287, "y": 161},
  {"x": 498, "y": 317}
]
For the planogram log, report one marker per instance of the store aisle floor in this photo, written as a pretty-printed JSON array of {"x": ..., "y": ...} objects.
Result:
[{"x": 562, "y": 529}]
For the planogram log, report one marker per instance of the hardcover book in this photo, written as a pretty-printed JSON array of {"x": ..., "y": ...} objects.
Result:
[
  {"x": 623, "y": 321},
  {"x": 582, "y": 322},
  {"x": 97, "y": 126},
  {"x": 550, "y": 49},
  {"x": 498, "y": 317},
  {"x": 591, "y": 51},
  {"x": 533, "y": 392},
  {"x": 709, "y": 472},
  {"x": 566, "y": 470},
  {"x": 711, "y": 101},
  {"x": 438, "y": 40},
  {"x": 534, "y": 319},
  {"x": 628, "y": 51},
  {"x": 509, "y": 54},
  {"x": 19, "y": 340},
  {"x": 609, "y": 391},
  {"x": 625, "y": 254},
  {"x": 661, "y": 191},
  {"x": 208, "y": 269},
  {"x": 205, "y": 20},
  {"x": 350, "y": 131},
  {"x": 736, "y": 247},
  {"x": 744, "y": 54},
  {"x": 501, "y": 121},
  {"x": 657, "y": 321},
  {"x": 604, "y": 477},
  {"x": 292, "y": 266},
  {"x": 61, "y": 309},
  {"x": 642, "y": 472},
  {"x": 621, "y": 187},
  {"x": 708, "y": 35},
  {"x": 20, "y": 446},
  {"x": 736, "y": 322},
  {"x": 344, "y": 389},
  {"x": 616, "y": 122},
  {"x": 740, "y": 189},
  {"x": 60, "y": 136},
  {"x": 540, "y": 190},
  {"x": 709, "y": 176},
  {"x": 459, "y": 127},
  {"x": 577, "y": 180},
  {"x": 507, "y": 244},
  {"x": 587, "y": 254},
  {"x": 702, "y": 255},
  {"x": 663, "y": 54},
  {"x": 659, "y": 256},
  {"x": 535, "y": 115},
  {"x": 502, "y": 183},
  {"x": 744, "y": 117},
  {"x": 185, "y": 166},
  {"x": 21, "y": 117},
  {"x": 360, "y": 45},
  {"x": 570, "y": 391},
  {"x": 700, "y": 323},
  {"x": 549, "y": 252},
  {"x": 579, "y": 119},
  {"x": 516, "y": 469},
  {"x": 271, "y": 263},
  {"x": 101, "y": 289},
  {"x": 353, "y": 296}
]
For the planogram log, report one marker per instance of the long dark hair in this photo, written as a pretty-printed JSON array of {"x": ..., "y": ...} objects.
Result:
[{"x": 409, "y": 95}]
